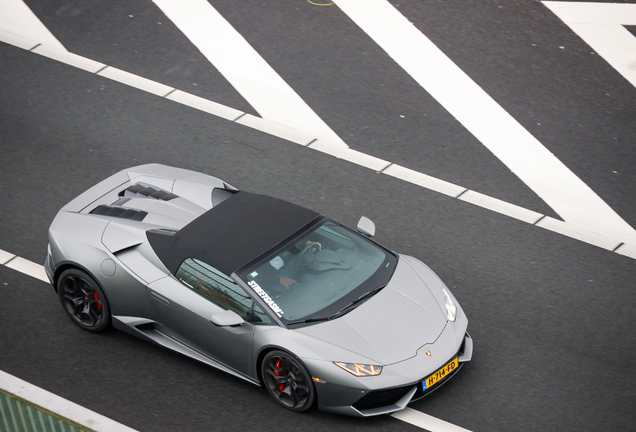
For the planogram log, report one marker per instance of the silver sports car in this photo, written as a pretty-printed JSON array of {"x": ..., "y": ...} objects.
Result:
[{"x": 266, "y": 290}]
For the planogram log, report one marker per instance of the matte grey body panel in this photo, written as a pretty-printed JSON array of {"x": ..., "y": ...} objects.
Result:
[{"x": 392, "y": 329}]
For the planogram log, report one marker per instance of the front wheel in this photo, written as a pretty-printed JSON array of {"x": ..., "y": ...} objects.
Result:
[
  {"x": 83, "y": 300},
  {"x": 287, "y": 381}
]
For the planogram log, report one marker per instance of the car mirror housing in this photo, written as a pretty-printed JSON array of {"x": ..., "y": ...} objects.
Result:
[
  {"x": 226, "y": 318},
  {"x": 366, "y": 226}
]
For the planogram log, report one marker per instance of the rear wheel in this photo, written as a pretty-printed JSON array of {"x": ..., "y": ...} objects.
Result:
[
  {"x": 83, "y": 300},
  {"x": 288, "y": 381}
]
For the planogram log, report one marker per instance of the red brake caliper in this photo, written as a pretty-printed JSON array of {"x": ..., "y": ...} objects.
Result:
[
  {"x": 281, "y": 387},
  {"x": 99, "y": 304}
]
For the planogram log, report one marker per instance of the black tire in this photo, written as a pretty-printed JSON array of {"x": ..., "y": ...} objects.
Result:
[
  {"x": 287, "y": 381},
  {"x": 83, "y": 300}
]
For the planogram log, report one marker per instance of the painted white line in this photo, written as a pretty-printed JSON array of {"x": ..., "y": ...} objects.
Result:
[
  {"x": 591, "y": 237},
  {"x": 425, "y": 421},
  {"x": 204, "y": 105},
  {"x": 135, "y": 81},
  {"x": 5, "y": 256},
  {"x": 591, "y": 12},
  {"x": 15, "y": 40},
  {"x": 628, "y": 250},
  {"x": 59, "y": 405},
  {"x": 28, "y": 268},
  {"x": 17, "y": 18},
  {"x": 600, "y": 25},
  {"x": 424, "y": 180},
  {"x": 500, "y": 206},
  {"x": 244, "y": 68},
  {"x": 508, "y": 140},
  {"x": 70, "y": 59},
  {"x": 350, "y": 155},
  {"x": 276, "y": 129}
]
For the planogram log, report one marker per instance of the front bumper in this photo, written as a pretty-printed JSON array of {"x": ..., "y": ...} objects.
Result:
[
  {"x": 370, "y": 400},
  {"x": 48, "y": 266}
]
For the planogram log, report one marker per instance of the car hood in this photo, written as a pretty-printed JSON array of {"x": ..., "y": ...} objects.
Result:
[{"x": 392, "y": 325}]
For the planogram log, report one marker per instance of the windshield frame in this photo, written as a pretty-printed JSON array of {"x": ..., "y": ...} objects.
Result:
[{"x": 380, "y": 278}]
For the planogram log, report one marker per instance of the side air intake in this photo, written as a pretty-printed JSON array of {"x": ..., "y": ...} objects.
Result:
[{"x": 120, "y": 212}]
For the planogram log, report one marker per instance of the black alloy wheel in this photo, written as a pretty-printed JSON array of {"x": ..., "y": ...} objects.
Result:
[
  {"x": 83, "y": 300},
  {"x": 287, "y": 381}
]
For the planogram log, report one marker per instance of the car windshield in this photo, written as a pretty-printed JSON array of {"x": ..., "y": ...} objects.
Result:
[{"x": 319, "y": 273}]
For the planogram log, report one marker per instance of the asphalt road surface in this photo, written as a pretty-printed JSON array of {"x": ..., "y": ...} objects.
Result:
[{"x": 553, "y": 318}]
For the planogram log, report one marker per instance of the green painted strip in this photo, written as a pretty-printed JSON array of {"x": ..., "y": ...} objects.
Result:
[{"x": 19, "y": 415}]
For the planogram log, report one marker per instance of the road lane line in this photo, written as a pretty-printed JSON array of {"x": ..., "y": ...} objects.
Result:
[
  {"x": 425, "y": 421},
  {"x": 244, "y": 68},
  {"x": 481, "y": 115},
  {"x": 28, "y": 268},
  {"x": 59, "y": 406},
  {"x": 500, "y": 206},
  {"x": 608, "y": 243},
  {"x": 279, "y": 130},
  {"x": 204, "y": 105},
  {"x": 350, "y": 155},
  {"x": 17, "y": 18},
  {"x": 16, "y": 40},
  {"x": 71, "y": 59},
  {"x": 424, "y": 180},
  {"x": 5, "y": 257},
  {"x": 600, "y": 25},
  {"x": 135, "y": 81}
]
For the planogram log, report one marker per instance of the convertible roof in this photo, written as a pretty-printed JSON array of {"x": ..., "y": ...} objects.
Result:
[{"x": 232, "y": 233}]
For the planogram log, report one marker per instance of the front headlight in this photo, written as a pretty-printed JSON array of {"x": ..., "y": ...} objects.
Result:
[
  {"x": 451, "y": 307},
  {"x": 360, "y": 370}
]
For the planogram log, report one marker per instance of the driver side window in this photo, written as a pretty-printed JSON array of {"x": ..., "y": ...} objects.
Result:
[{"x": 215, "y": 287}]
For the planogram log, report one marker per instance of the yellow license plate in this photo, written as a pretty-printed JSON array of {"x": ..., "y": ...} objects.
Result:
[{"x": 440, "y": 374}]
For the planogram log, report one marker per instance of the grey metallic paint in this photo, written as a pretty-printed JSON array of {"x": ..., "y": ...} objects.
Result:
[{"x": 393, "y": 328}]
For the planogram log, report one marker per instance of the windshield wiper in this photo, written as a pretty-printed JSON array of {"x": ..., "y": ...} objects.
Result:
[
  {"x": 354, "y": 304},
  {"x": 308, "y": 320}
]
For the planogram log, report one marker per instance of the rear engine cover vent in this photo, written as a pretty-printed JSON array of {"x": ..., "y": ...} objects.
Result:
[
  {"x": 120, "y": 212},
  {"x": 143, "y": 190}
]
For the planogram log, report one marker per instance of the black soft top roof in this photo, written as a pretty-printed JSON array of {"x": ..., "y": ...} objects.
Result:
[{"x": 233, "y": 233}]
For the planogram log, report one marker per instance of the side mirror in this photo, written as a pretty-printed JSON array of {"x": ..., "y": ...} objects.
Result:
[
  {"x": 226, "y": 318},
  {"x": 366, "y": 226}
]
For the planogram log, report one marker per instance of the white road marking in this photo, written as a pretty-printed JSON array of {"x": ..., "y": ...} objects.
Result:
[
  {"x": 523, "y": 154},
  {"x": 424, "y": 180},
  {"x": 425, "y": 421},
  {"x": 205, "y": 105},
  {"x": 600, "y": 25},
  {"x": 575, "y": 232},
  {"x": 60, "y": 406},
  {"x": 15, "y": 40},
  {"x": 500, "y": 206},
  {"x": 27, "y": 267},
  {"x": 244, "y": 68},
  {"x": 136, "y": 81},
  {"x": 5, "y": 256},
  {"x": 61, "y": 55},
  {"x": 281, "y": 131},
  {"x": 17, "y": 18},
  {"x": 350, "y": 155}
]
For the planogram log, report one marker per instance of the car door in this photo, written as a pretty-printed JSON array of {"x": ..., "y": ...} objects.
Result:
[{"x": 185, "y": 304}]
